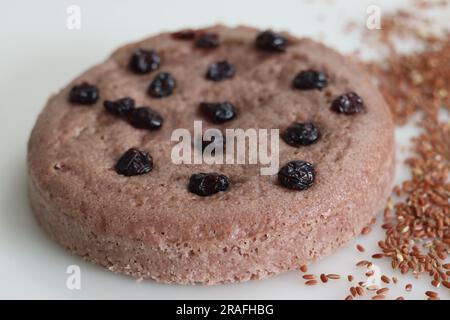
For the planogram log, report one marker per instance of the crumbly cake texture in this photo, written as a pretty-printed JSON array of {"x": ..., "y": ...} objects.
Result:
[{"x": 150, "y": 226}]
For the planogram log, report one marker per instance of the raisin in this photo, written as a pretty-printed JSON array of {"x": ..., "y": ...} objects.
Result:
[
  {"x": 122, "y": 107},
  {"x": 207, "y": 184},
  {"x": 271, "y": 41},
  {"x": 309, "y": 80},
  {"x": 146, "y": 118},
  {"x": 186, "y": 34},
  {"x": 207, "y": 41},
  {"x": 348, "y": 103},
  {"x": 84, "y": 93},
  {"x": 218, "y": 112},
  {"x": 218, "y": 142},
  {"x": 143, "y": 61},
  {"x": 134, "y": 162},
  {"x": 297, "y": 175},
  {"x": 162, "y": 85},
  {"x": 301, "y": 134},
  {"x": 220, "y": 71}
]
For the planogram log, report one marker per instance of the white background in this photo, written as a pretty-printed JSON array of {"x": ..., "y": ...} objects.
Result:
[{"x": 39, "y": 55}]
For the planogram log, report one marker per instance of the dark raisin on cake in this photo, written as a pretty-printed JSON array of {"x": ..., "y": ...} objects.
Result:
[
  {"x": 121, "y": 107},
  {"x": 162, "y": 85},
  {"x": 297, "y": 175},
  {"x": 348, "y": 103},
  {"x": 220, "y": 70},
  {"x": 84, "y": 93},
  {"x": 144, "y": 61},
  {"x": 310, "y": 80},
  {"x": 207, "y": 184},
  {"x": 301, "y": 134},
  {"x": 218, "y": 112},
  {"x": 185, "y": 34},
  {"x": 207, "y": 41},
  {"x": 134, "y": 162},
  {"x": 218, "y": 142},
  {"x": 271, "y": 41},
  {"x": 145, "y": 118}
]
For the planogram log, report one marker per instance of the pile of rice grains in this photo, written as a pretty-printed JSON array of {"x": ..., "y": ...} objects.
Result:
[{"x": 417, "y": 222}]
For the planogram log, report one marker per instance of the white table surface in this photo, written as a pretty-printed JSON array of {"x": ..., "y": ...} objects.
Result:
[{"x": 40, "y": 55}]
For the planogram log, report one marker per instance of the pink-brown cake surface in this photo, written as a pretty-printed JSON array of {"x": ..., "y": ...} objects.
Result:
[{"x": 150, "y": 226}]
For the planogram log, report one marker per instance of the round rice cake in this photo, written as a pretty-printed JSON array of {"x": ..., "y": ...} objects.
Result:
[{"x": 145, "y": 219}]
